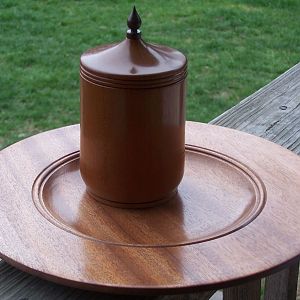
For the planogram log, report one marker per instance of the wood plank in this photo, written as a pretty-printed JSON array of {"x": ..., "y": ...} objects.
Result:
[
  {"x": 273, "y": 112},
  {"x": 282, "y": 285},
  {"x": 248, "y": 291}
]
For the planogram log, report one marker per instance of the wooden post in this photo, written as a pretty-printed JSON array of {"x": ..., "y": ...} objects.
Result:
[
  {"x": 282, "y": 285},
  {"x": 248, "y": 291}
]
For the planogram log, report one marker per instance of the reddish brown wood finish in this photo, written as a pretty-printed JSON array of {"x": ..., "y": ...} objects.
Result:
[
  {"x": 132, "y": 143},
  {"x": 193, "y": 215},
  {"x": 132, "y": 122},
  {"x": 133, "y": 64},
  {"x": 134, "y": 261}
]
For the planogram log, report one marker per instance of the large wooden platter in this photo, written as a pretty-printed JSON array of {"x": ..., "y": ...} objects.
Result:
[{"x": 235, "y": 216}]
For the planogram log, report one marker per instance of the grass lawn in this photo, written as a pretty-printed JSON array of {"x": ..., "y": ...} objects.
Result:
[{"x": 234, "y": 47}]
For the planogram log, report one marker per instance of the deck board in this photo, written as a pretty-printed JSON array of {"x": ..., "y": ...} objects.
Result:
[{"x": 273, "y": 113}]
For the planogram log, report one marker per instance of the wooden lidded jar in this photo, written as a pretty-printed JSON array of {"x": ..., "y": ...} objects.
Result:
[{"x": 132, "y": 120}]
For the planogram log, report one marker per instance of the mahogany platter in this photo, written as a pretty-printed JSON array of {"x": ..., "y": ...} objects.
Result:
[{"x": 235, "y": 216}]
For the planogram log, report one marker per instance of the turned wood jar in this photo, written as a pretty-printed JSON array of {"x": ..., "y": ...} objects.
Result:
[{"x": 132, "y": 120}]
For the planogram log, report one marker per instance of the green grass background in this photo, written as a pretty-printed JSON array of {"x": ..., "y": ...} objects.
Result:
[{"x": 234, "y": 47}]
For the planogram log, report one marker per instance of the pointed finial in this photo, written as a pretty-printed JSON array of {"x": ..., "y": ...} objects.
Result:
[{"x": 134, "y": 23}]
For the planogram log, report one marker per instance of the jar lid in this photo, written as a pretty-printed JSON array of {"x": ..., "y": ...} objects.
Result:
[{"x": 133, "y": 63}]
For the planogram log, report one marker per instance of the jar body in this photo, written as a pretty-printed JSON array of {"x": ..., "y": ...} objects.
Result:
[{"x": 132, "y": 143}]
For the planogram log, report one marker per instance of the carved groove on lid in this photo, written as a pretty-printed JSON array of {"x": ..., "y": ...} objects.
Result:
[{"x": 133, "y": 63}]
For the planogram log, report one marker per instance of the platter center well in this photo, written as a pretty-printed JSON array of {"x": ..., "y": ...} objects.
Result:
[{"x": 217, "y": 196}]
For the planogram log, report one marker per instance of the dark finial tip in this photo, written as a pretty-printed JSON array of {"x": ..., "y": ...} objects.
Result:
[{"x": 134, "y": 22}]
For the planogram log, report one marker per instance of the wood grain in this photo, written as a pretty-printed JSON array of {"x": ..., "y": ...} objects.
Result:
[
  {"x": 273, "y": 112},
  {"x": 31, "y": 242},
  {"x": 216, "y": 197},
  {"x": 242, "y": 117},
  {"x": 18, "y": 285},
  {"x": 248, "y": 291},
  {"x": 132, "y": 122},
  {"x": 282, "y": 285}
]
